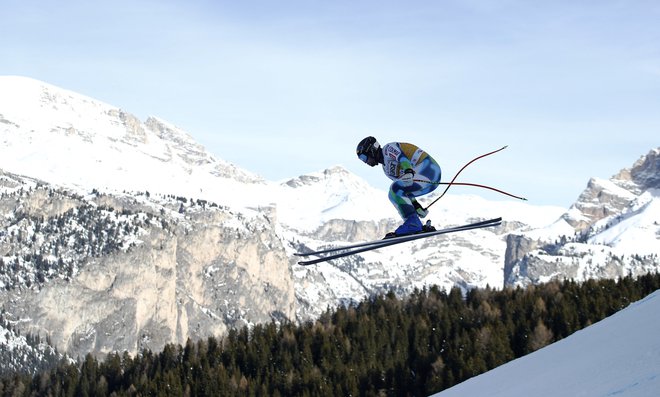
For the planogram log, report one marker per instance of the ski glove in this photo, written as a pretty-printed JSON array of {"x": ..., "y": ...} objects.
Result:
[
  {"x": 421, "y": 211},
  {"x": 407, "y": 177}
]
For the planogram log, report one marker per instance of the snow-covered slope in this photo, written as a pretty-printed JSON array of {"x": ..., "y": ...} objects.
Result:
[
  {"x": 618, "y": 356},
  {"x": 69, "y": 139},
  {"x": 634, "y": 232}
]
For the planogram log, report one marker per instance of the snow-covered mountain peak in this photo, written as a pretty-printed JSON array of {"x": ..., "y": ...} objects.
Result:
[
  {"x": 330, "y": 175},
  {"x": 604, "y": 198},
  {"x": 60, "y": 110},
  {"x": 613, "y": 229},
  {"x": 629, "y": 193},
  {"x": 70, "y": 139},
  {"x": 22, "y": 98},
  {"x": 309, "y": 200}
]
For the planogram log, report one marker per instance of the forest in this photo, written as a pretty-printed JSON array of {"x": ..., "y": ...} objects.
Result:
[{"x": 383, "y": 346}]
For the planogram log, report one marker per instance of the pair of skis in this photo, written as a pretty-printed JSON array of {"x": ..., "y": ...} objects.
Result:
[{"x": 340, "y": 252}]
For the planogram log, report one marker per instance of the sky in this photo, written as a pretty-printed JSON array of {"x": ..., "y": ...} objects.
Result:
[{"x": 287, "y": 88}]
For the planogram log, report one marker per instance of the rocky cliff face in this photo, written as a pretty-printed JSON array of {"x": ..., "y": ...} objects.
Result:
[
  {"x": 101, "y": 273},
  {"x": 603, "y": 199},
  {"x": 643, "y": 175},
  {"x": 611, "y": 231}
]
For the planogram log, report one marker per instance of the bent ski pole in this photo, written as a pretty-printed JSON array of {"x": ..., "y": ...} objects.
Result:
[
  {"x": 472, "y": 184},
  {"x": 461, "y": 170}
]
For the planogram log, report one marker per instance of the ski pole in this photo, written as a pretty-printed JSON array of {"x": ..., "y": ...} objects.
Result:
[
  {"x": 461, "y": 170},
  {"x": 471, "y": 184}
]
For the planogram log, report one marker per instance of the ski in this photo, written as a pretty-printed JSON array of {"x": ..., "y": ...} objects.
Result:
[
  {"x": 371, "y": 245},
  {"x": 395, "y": 239}
]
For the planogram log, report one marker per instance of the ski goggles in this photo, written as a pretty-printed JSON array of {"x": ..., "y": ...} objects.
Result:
[{"x": 363, "y": 157}]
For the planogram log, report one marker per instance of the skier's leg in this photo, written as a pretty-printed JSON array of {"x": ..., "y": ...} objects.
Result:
[
  {"x": 428, "y": 175},
  {"x": 400, "y": 197},
  {"x": 430, "y": 171}
]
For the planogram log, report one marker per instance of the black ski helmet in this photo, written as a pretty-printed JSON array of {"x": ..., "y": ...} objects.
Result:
[{"x": 368, "y": 149}]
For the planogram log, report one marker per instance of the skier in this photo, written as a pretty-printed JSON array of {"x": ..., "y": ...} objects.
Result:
[{"x": 414, "y": 173}]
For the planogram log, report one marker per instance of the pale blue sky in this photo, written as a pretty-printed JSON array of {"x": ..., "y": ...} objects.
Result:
[{"x": 283, "y": 88}]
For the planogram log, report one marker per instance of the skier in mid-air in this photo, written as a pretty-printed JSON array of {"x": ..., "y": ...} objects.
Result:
[{"x": 414, "y": 173}]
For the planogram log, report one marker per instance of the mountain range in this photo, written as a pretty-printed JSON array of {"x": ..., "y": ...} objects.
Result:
[{"x": 118, "y": 234}]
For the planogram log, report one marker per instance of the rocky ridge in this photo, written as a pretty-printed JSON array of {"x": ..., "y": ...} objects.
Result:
[
  {"x": 612, "y": 230},
  {"x": 99, "y": 273}
]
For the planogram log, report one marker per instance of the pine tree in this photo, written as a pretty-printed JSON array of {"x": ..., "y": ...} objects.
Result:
[{"x": 385, "y": 345}]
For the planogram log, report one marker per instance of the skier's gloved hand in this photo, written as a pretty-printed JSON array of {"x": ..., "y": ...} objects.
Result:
[
  {"x": 421, "y": 211},
  {"x": 407, "y": 177}
]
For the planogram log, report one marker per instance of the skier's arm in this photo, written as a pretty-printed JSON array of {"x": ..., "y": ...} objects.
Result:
[
  {"x": 407, "y": 172},
  {"x": 405, "y": 164}
]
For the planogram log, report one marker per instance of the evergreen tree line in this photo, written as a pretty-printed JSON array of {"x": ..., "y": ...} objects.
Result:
[{"x": 383, "y": 346}]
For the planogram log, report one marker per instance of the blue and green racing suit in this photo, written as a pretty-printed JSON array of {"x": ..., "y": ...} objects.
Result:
[{"x": 399, "y": 157}]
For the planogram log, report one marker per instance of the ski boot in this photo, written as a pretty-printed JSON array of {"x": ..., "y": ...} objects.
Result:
[
  {"x": 412, "y": 225},
  {"x": 428, "y": 227}
]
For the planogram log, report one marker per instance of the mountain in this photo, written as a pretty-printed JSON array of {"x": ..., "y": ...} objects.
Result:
[
  {"x": 117, "y": 234},
  {"x": 467, "y": 259},
  {"x": 107, "y": 239},
  {"x": 612, "y": 230},
  {"x": 98, "y": 272},
  {"x": 71, "y": 140},
  {"x": 618, "y": 356}
]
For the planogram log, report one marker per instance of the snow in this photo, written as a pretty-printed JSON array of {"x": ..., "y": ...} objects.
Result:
[
  {"x": 551, "y": 232},
  {"x": 637, "y": 232},
  {"x": 306, "y": 202},
  {"x": 47, "y": 133},
  {"x": 609, "y": 187},
  {"x": 121, "y": 153},
  {"x": 454, "y": 209},
  {"x": 18, "y": 354},
  {"x": 618, "y": 356}
]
